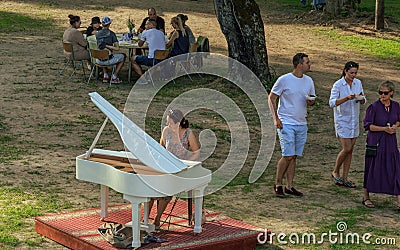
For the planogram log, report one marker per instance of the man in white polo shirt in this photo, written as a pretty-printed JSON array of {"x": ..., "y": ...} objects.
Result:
[
  {"x": 290, "y": 119},
  {"x": 155, "y": 40}
]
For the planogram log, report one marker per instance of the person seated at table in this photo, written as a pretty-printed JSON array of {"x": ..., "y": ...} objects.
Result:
[
  {"x": 74, "y": 36},
  {"x": 94, "y": 26},
  {"x": 179, "y": 40},
  {"x": 160, "y": 23},
  {"x": 189, "y": 32},
  {"x": 155, "y": 40},
  {"x": 106, "y": 39}
]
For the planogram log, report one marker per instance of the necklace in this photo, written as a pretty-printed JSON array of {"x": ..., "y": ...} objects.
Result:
[{"x": 387, "y": 106}]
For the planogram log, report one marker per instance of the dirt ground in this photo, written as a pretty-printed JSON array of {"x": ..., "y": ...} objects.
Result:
[{"x": 46, "y": 113}]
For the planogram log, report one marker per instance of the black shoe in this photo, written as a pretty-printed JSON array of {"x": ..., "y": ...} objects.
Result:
[
  {"x": 279, "y": 191},
  {"x": 293, "y": 191}
]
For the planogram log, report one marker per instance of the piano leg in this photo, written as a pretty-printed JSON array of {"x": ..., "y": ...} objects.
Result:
[
  {"x": 198, "y": 209},
  {"x": 103, "y": 202},
  {"x": 136, "y": 216}
]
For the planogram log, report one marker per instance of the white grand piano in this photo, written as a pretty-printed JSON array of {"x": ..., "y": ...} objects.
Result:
[{"x": 144, "y": 170}]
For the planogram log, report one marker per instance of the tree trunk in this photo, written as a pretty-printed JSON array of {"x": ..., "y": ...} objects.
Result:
[
  {"x": 241, "y": 23},
  {"x": 340, "y": 7},
  {"x": 379, "y": 15}
]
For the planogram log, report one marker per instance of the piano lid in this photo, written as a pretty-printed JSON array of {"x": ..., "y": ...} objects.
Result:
[{"x": 137, "y": 141}]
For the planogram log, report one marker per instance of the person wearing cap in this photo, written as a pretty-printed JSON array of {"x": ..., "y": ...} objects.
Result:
[
  {"x": 160, "y": 23},
  {"x": 106, "y": 39},
  {"x": 180, "y": 140},
  {"x": 155, "y": 40},
  {"x": 94, "y": 26},
  {"x": 74, "y": 36}
]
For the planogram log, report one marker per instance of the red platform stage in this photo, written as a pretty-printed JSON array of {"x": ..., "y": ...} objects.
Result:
[{"x": 78, "y": 230}]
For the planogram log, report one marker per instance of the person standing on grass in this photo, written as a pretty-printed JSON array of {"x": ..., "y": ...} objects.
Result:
[
  {"x": 346, "y": 96},
  {"x": 382, "y": 171},
  {"x": 106, "y": 39},
  {"x": 290, "y": 119}
]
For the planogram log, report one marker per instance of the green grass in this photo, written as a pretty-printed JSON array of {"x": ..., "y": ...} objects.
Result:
[
  {"x": 384, "y": 48},
  {"x": 17, "y": 205},
  {"x": 15, "y": 22},
  {"x": 8, "y": 150},
  {"x": 392, "y": 8}
]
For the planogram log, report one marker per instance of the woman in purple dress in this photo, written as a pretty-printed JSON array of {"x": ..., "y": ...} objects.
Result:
[{"x": 382, "y": 172}]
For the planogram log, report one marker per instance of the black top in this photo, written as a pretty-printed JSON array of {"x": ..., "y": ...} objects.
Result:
[
  {"x": 90, "y": 30},
  {"x": 181, "y": 45},
  {"x": 160, "y": 23}
]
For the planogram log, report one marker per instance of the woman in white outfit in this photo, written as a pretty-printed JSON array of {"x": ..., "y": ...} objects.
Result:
[{"x": 346, "y": 96}]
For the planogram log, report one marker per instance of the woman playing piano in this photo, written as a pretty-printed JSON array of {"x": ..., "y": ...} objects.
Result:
[{"x": 180, "y": 140}]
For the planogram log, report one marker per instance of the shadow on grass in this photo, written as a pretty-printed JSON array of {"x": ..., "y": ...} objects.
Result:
[{"x": 14, "y": 22}]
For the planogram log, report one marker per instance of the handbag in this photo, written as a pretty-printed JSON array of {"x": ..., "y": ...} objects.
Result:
[
  {"x": 116, "y": 234},
  {"x": 370, "y": 150}
]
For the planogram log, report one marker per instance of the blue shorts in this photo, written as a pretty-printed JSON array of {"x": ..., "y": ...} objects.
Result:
[
  {"x": 144, "y": 60},
  {"x": 292, "y": 139}
]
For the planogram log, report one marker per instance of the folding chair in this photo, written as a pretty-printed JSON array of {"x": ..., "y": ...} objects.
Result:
[
  {"x": 159, "y": 55},
  {"x": 186, "y": 64},
  {"x": 194, "y": 59},
  {"x": 101, "y": 55},
  {"x": 92, "y": 44},
  {"x": 68, "y": 47}
]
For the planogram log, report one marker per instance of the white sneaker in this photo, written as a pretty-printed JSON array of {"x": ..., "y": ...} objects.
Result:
[
  {"x": 89, "y": 67},
  {"x": 116, "y": 80}
]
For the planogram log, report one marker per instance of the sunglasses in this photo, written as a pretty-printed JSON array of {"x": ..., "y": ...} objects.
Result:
[{"x": 383, "y": 92}]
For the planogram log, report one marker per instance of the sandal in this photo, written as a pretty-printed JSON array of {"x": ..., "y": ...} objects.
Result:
[
  {"x": 337, "y": 180},
  {"x": 368, "y": 204},
  {"x": 349, "y": 184}
]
